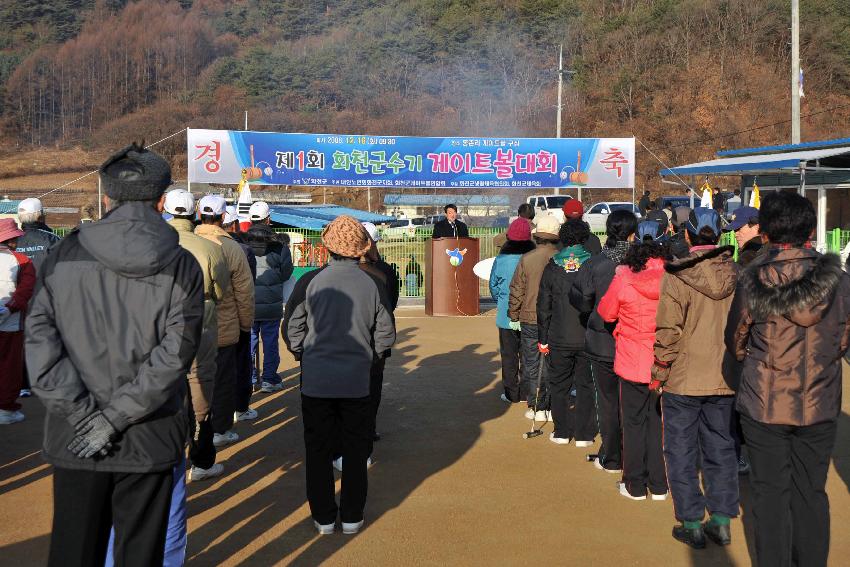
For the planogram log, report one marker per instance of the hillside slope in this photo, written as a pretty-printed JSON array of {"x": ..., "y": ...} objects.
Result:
[{"x": 678, "y": 74}]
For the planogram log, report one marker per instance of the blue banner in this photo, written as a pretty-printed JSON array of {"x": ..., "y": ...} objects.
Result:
[{"x": 267, "y": 158}]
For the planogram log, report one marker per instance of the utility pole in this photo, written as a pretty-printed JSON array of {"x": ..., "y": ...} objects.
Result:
[
  {"x": 369, "y": 197},
  {"x": 560, "y": 90},
  {"x": 246, "y": 120},
  {"x": 795, "y": 71}
]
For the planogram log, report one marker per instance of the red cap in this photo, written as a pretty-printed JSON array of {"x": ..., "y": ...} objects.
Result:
[
  {"x": 519, "y": 230},
  {"x": 573, "y": 208}
]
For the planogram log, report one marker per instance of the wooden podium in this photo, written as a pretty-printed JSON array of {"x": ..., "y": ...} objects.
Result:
[{"x": 451, "y": 290}]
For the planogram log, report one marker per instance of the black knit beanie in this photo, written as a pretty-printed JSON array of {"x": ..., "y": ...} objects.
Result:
[{"x": 135, "y": 174}]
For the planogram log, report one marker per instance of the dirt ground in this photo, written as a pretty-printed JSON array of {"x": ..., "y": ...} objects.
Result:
[{"x": 453, "y": 483}]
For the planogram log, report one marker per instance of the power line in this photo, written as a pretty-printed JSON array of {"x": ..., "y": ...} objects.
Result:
[{"x": 95, "y": 171}]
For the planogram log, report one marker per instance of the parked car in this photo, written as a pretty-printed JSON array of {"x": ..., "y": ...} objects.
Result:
[
  {"x": 676, "y": 201},
  {"x": 404, "y": 229},
  {"x": 596, "y": 215},
  {"x": 549, "y": 204}
]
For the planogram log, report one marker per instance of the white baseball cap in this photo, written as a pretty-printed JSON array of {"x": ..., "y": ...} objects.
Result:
[
  {"x": 179, "y": 202},
  {"x": 373, "y": 231},
  {"x": 259, "y": 211},
  {"x": 230, "y": 214},
  {"x": 30, "y": 205},
  {"x": 212, "y": 205}
]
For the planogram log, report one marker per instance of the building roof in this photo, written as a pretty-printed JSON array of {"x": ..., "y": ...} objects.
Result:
[
  {"x": 316, "y": 217},
  {"x": 418, "y": 200},
  {"x": 8, "y": 207},
  {"x": 817, "y": 145},
  {"x": 766, "y": 163}
]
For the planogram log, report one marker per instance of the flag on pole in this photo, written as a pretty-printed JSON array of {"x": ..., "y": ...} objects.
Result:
[
  {"x": 706, "y": 200},
  {"x": 755, "y": 197},
  {"x": 802, "y": 94}
]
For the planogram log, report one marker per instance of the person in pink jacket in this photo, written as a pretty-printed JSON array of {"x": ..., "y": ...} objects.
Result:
[{"x": 631, "y": 301}]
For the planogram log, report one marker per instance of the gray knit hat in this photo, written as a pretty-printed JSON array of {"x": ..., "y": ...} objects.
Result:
[{"x": 135, "y": 174}]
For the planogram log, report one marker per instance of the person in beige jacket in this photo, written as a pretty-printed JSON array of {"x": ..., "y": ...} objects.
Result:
[
  {"x": 695, "y": 372},
  {"x": 522, "y": 309},
  {"x": 181, "y": 204},
  {"x": 235, "y": 314}
]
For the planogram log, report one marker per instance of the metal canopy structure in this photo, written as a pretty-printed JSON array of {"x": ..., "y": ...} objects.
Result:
[
  {"x": 820, "y": 166},
  {"x": 769, "y": 163}
]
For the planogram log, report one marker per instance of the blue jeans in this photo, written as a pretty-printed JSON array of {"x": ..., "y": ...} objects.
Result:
[
  {"x": 268, "y": 332},
  {"x": 175, "y": 537}
]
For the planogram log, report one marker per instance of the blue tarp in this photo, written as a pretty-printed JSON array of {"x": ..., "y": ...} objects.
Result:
[{"x": 316, "y": 217}]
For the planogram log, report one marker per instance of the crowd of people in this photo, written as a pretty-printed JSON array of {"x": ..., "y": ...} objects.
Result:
[
  {"x": 142, "y": 335},
  {"x": 677, "y": 352}
]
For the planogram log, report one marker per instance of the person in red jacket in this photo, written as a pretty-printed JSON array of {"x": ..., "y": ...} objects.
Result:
[
  {"x": 632, "y": 300},
  {"x": 17, "y": 280}
]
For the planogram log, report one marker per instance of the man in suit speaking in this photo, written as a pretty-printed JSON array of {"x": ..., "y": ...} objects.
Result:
[{"x": 450, "y": 227}]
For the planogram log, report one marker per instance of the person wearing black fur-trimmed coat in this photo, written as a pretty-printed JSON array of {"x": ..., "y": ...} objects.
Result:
[{"x": 790, "y": 325}]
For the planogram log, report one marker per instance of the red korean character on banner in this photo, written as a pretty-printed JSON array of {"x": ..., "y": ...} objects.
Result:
[
  {"x": 213, "y": 152},
  {"x": 504, "y": 163},
  {"x": 547, "y": 162},
  {"x": 614, "y": 160}
]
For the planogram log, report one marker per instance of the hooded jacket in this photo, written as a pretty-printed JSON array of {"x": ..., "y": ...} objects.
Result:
[
  {"x": 632, "y": 301},
  {"x": 559, "y": 324},
  {"x": 522, "y": 303},
  {"x": 236, "y": 309},
  {"x": 591, "y": 283},
  {"x": 696, "y": 293},
  {"x": 790, "y": 325},
  {"x": 113, "y": 326},
  {"x": 501, "y": 275},
  {"x": 274, "y": 267}
]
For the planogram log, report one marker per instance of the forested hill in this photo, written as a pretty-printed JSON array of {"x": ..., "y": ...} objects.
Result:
[{"x": 678, "y": 74}]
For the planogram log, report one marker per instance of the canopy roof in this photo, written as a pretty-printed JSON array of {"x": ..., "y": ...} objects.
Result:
[
  {"x": 316, "y": 217},
  {"x": 837, "y": 157}
]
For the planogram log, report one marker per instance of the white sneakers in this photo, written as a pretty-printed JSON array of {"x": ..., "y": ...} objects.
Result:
[
  {"x": 659, "y": 497},
  {"x": 8, "y": 417},
  {"x": 541, "y": 415},
  {"x": 226, "y": 438},
  {"x": 347, "y": 528},
  {"x": 351, "y": 529},
  {"x": 269, "y": 388},
  {"x": 324, "y": 529},
  {"x": 25, "y": 393},
  {"x": 558, "y": 440},
  {"x": 598, "y": 465},
  {"x": 625, "y": 492},
  {"x": 584, "y": 444},
  {"x": 246, "y": 415},
  {"x": 197, "y": 473}
]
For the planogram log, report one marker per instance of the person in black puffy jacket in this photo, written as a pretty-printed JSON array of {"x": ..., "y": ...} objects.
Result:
[
  {"x": 561, "y": 336},
  {"x": 274, "y": 267},
  {"x": 591, "y": 283}
]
